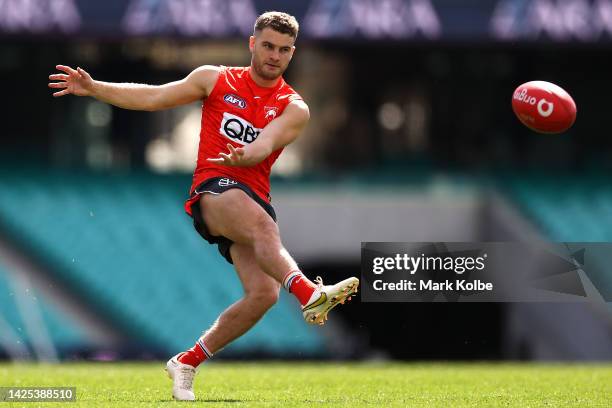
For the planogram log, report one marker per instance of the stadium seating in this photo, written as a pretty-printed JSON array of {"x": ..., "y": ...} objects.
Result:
[
  {"x": 565, "y": 208},
  {"x": 570, "y": 209},
  {"x": 19, "y": 299},
  {"x": 123, "y": 243}
]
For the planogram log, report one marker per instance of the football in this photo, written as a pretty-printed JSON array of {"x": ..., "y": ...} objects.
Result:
[{"x": 544, "y": 107}]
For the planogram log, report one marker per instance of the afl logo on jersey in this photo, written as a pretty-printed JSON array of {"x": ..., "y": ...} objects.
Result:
[{"x": 235, "y": 101}]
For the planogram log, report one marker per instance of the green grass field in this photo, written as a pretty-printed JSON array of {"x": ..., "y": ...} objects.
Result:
[{"x": 325, "y": 384}]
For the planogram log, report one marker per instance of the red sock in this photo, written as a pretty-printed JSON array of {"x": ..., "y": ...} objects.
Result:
[
  {"x": 299, "y": 285},
  {"x": 195, "y": 355}
]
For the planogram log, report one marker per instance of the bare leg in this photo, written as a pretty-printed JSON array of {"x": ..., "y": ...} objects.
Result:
[
  {"x": 261, "y": 263},
  {"x": 260, "y": 294},
  {"x": 233, "y": 214}
]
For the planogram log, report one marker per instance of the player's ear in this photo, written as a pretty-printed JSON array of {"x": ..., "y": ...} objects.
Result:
[{"x": 251, "y": 42}]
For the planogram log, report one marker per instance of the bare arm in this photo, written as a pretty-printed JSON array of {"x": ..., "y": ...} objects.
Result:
[
  {"x": 197, "y": 85},
  {"x": 278, "y": 133}
]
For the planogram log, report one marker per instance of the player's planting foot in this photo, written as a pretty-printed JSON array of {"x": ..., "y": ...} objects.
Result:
[
  {"x": 182, "y": 379},
  {"x": 326, "y": 297}
]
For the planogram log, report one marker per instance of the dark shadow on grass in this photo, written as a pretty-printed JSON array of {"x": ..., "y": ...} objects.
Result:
[
  {"x": 221, "y": 400},
  {"x": 204, "y": 400}
]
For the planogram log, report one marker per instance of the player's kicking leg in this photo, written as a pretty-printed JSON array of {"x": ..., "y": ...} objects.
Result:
[
  {"x": 261, "y": 261},
  {"x": 233, "y": 214},
  {"x": 260, "y": 294}
]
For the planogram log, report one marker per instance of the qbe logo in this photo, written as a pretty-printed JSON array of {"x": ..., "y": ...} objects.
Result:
[{"x": 237, "y": 129}]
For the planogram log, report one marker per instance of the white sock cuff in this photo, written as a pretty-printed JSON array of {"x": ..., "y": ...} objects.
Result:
[
  {"x": 289, "y": 278},
  {"x": 204, "y": 349}
]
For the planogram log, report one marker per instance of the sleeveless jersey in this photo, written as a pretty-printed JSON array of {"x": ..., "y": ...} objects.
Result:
[{"x": 235, "y": 112}]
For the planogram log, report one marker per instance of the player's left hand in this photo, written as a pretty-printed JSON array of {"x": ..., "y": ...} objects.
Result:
[{"x": 236, "y": 157}]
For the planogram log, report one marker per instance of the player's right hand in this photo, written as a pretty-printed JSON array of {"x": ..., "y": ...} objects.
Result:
[
  {"x": 73, "y": 81},
  {"x": 235, "y": 157}
]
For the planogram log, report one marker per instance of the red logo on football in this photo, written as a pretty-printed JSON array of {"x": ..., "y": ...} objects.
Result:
[{"x": 544, "y": 107}]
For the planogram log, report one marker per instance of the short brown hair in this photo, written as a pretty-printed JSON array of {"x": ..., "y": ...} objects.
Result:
[{"x": 278, "y": 21}]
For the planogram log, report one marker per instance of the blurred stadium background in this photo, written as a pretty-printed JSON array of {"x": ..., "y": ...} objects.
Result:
[{"x": 412, "y": 138}]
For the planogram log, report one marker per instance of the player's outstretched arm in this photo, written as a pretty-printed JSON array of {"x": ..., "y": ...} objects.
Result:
[
  {"x": 197, "y": 85},
  {"x": 278, "y": 133}
]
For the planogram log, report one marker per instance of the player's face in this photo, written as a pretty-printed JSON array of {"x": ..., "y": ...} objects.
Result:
[{"x": 271, "y": 53}]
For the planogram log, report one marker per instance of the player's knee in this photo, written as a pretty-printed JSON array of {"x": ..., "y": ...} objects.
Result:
[
  {"x": 265, "y": 298},
  {"x": 265, "y": 230}
]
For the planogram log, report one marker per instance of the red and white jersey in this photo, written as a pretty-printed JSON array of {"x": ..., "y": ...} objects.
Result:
[{"x": 235, "y": 112}]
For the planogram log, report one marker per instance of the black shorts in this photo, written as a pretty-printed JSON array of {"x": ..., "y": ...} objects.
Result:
[{"x": 218, "y": 185}]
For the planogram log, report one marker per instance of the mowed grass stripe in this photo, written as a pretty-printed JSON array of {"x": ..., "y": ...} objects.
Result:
[{"x": 225, "y": 384}]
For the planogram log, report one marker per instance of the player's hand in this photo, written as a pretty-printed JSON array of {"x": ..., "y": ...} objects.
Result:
[
  {"x": 236, "y": 157},
  {"x": 73, "y": 81}
]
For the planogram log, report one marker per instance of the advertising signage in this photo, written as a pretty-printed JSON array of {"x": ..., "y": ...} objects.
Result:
[{"x": 344, "y": 20}]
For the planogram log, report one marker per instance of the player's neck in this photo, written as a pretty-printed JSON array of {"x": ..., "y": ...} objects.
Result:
[{"x": 264, "y": 83}]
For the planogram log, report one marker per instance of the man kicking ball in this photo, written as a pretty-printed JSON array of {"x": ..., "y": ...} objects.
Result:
[{"x": 249, "y": 114}]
